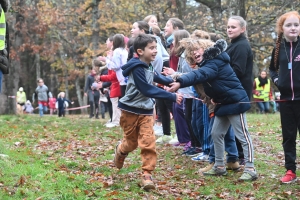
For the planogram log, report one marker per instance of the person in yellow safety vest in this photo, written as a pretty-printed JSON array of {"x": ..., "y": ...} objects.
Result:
[
  {"x": 21, "y": 100},
  {"x": 4, "y": 46},
  {"x": 262, "y": 93}
]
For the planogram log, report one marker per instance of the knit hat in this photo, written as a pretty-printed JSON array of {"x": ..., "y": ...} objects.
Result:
[{"x": 21, "y": 89}]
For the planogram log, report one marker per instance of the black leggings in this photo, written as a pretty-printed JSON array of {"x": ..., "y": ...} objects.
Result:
[{"x": 165, "y": 107}]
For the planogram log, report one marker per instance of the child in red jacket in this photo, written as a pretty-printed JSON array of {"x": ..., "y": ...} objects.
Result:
[{"x": 115, "y": 93}]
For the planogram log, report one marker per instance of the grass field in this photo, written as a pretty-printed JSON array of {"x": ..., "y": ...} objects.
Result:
[{"x": 71, "y": 158}]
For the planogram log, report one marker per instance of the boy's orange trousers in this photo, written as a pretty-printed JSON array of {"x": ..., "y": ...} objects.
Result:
[{"x": 138, "y": 132}]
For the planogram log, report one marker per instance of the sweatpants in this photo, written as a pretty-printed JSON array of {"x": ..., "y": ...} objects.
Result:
[
  {"x": 116, "y": 111},
  {"x": 138, "y": 132},
  {"x": 290, "y": 121},
  {"x": 239, "y": 125},
  {"x": 181, "y": 126}
]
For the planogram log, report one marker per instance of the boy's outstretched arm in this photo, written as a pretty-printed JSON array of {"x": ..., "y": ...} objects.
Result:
[{"x": 149, "y": 90}]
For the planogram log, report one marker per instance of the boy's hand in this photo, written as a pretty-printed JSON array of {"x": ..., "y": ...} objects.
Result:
[
  {"x": 72, "y": 102},
  {"x": 167, "y": 71},
  {"x": 179, "y": 98},
  {"x": 174, "y": 87}
]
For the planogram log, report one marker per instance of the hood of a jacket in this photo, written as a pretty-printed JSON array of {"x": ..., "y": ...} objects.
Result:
[
  {"x": 212, "y": 52},
  {"x": 131, "y": 64}
]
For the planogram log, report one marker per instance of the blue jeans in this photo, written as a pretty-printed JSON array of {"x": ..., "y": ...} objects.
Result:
[
  {"x": 42, "y": 109},
  {"x": 230, "y": 145},
  {"x": 263, "y": 106},
  {"x": 200, "y": 124}
]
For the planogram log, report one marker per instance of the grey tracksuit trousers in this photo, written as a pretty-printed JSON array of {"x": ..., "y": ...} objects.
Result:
[{"x": 239, "y": 125}]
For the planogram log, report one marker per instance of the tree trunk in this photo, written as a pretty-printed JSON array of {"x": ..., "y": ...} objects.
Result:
[
  {"x": 11, "y": 81},
  {"x": 37, "y": 63}
]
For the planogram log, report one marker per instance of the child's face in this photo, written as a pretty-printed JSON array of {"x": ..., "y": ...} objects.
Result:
[
  {"x": 198, "y": 55},
  {"x": 97, "y": 78},
  {"x": 148, "y": 54},
  {"x": 291, "y": 28},
  {"x": 41, "y": 82},
  {"x": 135, "y": 31},
  {"x": 263, "y": 74},
  {"x": 234, "y": 28},
  {"x": 62, "y": 95},
  {"x": 168, "y": 29},
  {"x": 109, "y": 44},
  {"x": 152, "y": 21}
]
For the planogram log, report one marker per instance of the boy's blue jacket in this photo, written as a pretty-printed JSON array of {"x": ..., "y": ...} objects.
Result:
[
  {"x": 219, "y": 81},
  {"x": 140, "y": 91}
]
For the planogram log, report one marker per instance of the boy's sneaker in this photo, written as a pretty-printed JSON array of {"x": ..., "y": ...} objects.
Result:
[
  {"x": 174, "y": 140},
  {"x": 201, "y": 157},
  {"x": 119, "y": 157},
  {"x": 289, "y": 177},
  {"x": 147, "y": 182},
  {"x": 215, "y": 171},
  {"x": 233, "y": 166},
  {"x": 164, "y": 139},
  {"x": 207, "y": 168},
  {"x": 194, "y": 152},
  {"x": 248, "y": 175}
]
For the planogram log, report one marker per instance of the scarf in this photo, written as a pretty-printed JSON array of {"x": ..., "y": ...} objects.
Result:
[{"x": 262, "y": 81}]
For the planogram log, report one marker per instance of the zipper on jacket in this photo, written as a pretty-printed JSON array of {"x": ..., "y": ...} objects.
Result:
[{"x": 291, "y": 61}]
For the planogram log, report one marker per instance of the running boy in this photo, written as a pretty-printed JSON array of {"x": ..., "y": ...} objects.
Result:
[{"x": 137, "y": 107}]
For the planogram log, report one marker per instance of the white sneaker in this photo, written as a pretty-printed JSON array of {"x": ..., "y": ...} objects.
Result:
[
  {"x": 111, "y": 125},
  {"x": 201, "y": 157},
  {"x": 164, "y": 139},
  {"x": 174, "y": 140},
  {"x": 158, "y": 131}
]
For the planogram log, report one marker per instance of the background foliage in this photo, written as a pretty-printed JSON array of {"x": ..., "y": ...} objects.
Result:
[{"x": 57, "y": 40}]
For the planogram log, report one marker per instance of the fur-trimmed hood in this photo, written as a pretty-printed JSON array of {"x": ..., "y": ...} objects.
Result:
[{"x": 212, "y": 52}]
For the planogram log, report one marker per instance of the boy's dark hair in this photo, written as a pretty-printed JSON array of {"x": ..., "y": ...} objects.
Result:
[
  {"x": 141, "y": 41},
  {"x": 118, "y": 41}
]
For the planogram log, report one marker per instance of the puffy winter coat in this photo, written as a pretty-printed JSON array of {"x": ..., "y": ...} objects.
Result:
[{"x": 219, "y": 81}]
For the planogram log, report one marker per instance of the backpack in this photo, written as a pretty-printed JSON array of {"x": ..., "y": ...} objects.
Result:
[{"x": 4, "y": 54}]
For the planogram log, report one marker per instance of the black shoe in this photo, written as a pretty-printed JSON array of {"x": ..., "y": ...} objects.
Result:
[{"x": 91, "y": 116}]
